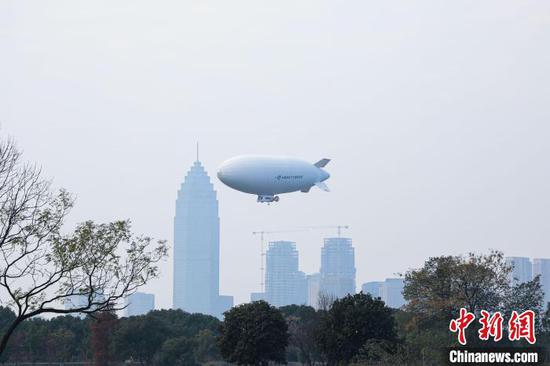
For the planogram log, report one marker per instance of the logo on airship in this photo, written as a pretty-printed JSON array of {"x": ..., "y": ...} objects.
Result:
[{"x": 279, "y": 177}]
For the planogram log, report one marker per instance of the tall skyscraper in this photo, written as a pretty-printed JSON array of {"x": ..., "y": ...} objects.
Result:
[
  {"x": 197, "y": 247},
  {"x": 373, "y": 288},
  {"x": 285, "y": 284},
  {"x": 541, "y": 267},
  {"x": 313, "y": 288},
  {"x": 392, "y": 292},
  {"x": 522, "y": 270},
  {"x": 337, "y": 267},
  {"x": 139, "y": 303}
]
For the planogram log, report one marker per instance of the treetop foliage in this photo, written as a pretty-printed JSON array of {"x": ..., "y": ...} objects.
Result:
[{"x": 253, "y": 334}]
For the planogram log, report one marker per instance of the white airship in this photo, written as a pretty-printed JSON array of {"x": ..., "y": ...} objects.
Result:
[{"x": 267, "y": 176}]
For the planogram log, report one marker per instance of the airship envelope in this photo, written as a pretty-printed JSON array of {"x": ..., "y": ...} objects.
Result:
[{"x": 268, "y": 176}]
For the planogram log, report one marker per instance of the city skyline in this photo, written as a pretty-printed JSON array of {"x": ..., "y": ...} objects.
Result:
[
  {"x": 435, "y": 118},
  {"x": 197, "y": 196}
]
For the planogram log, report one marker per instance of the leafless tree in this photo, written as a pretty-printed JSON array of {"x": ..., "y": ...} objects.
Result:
[
  {"x": 325, "y": 300},
  {"x": 42, "y": 270}
]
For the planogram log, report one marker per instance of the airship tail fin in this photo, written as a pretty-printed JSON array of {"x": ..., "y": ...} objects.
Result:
[
  {"x": 322, "y": 163},
  {"x": 322, "y": 186}
]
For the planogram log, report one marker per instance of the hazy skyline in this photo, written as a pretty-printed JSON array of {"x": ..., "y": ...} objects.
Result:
[{"x": 435, "y": 115}]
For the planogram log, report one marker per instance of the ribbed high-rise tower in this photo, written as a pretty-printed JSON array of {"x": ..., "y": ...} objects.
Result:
[
  {"x": 285, "y": 284},
  {"x": 197, "y": 247},
  {"x": 337, "y": 267}
]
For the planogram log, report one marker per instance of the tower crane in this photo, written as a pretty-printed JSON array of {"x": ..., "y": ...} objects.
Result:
[
  {"x": 263, "y": 233},
  {"x": 338, "y": 227}
]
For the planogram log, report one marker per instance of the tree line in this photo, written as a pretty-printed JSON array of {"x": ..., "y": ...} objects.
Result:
[
  {"x": 357, "y": 329},
  {"x": 161, "y": 337},
  {"x": 251, "y": 334}
]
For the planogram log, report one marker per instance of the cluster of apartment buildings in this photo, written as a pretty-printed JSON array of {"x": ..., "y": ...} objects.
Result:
[{"x": 285, "y": 284}]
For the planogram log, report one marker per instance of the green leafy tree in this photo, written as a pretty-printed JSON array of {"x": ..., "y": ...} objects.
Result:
[
  {"x": 140, "y": 337},
  {"x": 206, "y": 346},
  {"x": 382, "y": 352},
  {"x": 543, "y": 339},
  {"x": 524, "y": 296},
  {"x": 445, "y": 284},
  {"x": 303, "y": 327},
  {"x": 60, "y": 339},
  {"x": 7, "y": 316},
  {"x": 143, "y": 338},
  {"x": 350, "y": 323},
  {"x": 177, "y": 352},
  {"x": 42, "y": 269},
  {"x": 32, "y": 346},
  {"x": 74, "y": 332},
  {"x": 438, "y": 290},
  {"x": 253, "y": 334},
  {"x": 422, "y": 344}
]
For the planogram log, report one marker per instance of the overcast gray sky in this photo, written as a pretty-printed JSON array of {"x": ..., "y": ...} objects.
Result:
[{"x": 436, "y": 115}]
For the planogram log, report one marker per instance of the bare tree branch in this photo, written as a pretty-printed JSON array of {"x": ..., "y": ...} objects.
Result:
[{"x": 43, "y": 271}]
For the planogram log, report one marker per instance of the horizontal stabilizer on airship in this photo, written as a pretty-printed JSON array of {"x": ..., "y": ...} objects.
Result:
[
  {"x": 322, "y": 186},
  {"x": 322, "y": 163}
]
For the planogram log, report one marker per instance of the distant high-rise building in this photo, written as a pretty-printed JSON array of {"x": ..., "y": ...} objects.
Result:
[
  {"x": 284, "y": 283},
  {"x": 81, "y": 301},
  {"x": 224, "y": 303},
  {"x": 257, "y": 296},
  {"x": 373, "y": 288},
  {"x": 313, "y": 288},
  {"x": 541, "y": 267},
  {"x": 337, "y": 267},
  {"x": 197, "y": 247},
  {"x": 522, "y": 270},
  {"x": 392, "y": 292},
  {"x": 139, "y": 303}
]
